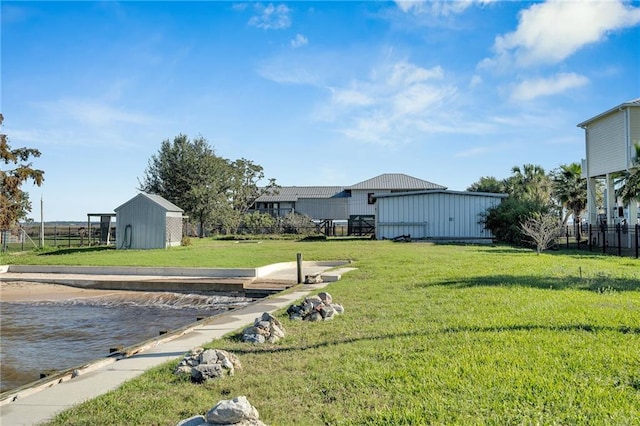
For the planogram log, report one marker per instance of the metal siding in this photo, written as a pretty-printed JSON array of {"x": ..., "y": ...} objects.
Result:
[
  {"x": 359, "y": 202},
  {"x": 327, "y": 208},
  {"x": 407, "y": 214},
  {"x": 634, "y": 131},
  {"x": 148, "y": 224},
  {"x": 606, "y": 145}
]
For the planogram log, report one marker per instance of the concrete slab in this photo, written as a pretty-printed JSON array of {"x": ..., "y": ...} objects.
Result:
[{"x": 40, "y": 402}]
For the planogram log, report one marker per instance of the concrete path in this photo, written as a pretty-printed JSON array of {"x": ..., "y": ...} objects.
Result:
[{"x": 40, "y": 402}]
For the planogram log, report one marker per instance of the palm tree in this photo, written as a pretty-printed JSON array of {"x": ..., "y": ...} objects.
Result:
[
  {"x": 570, "y": 189},
  {"x": 630, "y": 183},
  {"x": 530, "y": 183}
]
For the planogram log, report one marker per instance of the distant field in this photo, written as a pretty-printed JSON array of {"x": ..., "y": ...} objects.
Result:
[{"x": 432, "y": 334}]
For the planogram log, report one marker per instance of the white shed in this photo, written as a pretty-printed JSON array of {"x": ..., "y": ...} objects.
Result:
[
  {"x": 435, "y": 214},
  {"x": 148, "y": 221}
]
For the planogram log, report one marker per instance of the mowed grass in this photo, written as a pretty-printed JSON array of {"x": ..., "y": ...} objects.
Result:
[{"x": 432, "y": 334}]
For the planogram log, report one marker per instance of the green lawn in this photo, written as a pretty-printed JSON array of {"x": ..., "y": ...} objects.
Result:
[{"x": 432, "y": 334}]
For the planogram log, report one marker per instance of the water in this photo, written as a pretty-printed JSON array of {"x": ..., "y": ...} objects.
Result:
[{"x": 43, "y": 336}]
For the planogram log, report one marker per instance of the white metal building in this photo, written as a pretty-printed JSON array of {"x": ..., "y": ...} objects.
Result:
[
  {"x": 148, "y": 221},
  {"x": 435, "y": 214},
  {"x": 610, "y": 138}
]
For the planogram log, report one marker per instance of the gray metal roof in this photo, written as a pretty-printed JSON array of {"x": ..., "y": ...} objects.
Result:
[
  {"x": 293, "y": 193},
  {"x": 165, "y": 204},
  {"x": 396, "y": 181},
  {"x": 444, "y": 191},
  {"x": 629, "y": 104}
]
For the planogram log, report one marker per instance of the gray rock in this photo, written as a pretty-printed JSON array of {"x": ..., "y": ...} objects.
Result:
[
  {"x": 204, "y": 372},
  {"x": 314, "y": 316},
  {"x": 267, "y": 328},
  {"x": 193, "y": 421},
  {"x": 325, "y": 297},
  {"x": 203, "y": 365},
  {"x": 254, "y": 338},
  {"x": 232, "y": 411},
  {"x": 338, "y": 308},
  {"x": 210, "y": 356}
]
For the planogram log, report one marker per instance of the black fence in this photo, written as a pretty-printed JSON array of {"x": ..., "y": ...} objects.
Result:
[
  {"x": 620, "y": 239},
  {"x": 29, "y": 237}
]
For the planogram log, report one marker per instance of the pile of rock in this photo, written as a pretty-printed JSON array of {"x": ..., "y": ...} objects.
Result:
[
  {"x": 315, "y": 308},
  {"x": 202, "y": 365},
  {"x": 237, "y": 411},
  {"x": 267, "y": 328}
]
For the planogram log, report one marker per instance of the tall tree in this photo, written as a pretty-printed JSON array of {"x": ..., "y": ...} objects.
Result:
[
  {"x": 530, "y": 183},
  {"x": 244, "y": 190},
  {"x": 630, "y": 184},
  {"x": 570, "y": 190},
  {"x": 488, "y": 184},
  {"x": 189, "y": 174},
  {"x": 16, "y": 169}
]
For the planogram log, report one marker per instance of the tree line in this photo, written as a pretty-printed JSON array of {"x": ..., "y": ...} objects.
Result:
[
  {"x": 214, "y": 192},
  {"x": 217, "y": 193},
  {"x": 541, "y": 203}
]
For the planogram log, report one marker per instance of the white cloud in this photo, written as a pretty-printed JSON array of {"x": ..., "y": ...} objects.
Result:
[
  {"x": 299, "y": 41},
  {"x": 350, "y": 97},
  {"x": 93, "y": 113},
  {"x": 437, "y": 8},
  {"x": 404, "y": 74},
  {"x": 81, "y": 122},
  {"x": 534, "y": 88},
  {"x": 419, "y": 98},
  {"x": 397, "y": 102},
  {"x": 552, "y": 31},
  {"x": 476, "y": 80},
  {"x": 271, "y": 17}
]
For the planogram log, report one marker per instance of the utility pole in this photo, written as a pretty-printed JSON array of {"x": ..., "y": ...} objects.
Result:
[{"x": 41, "y": 221}]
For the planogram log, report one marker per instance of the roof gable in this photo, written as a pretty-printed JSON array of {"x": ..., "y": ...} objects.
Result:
[
  {"x": 396, "y": 181},
  {"x": 634, "y": 103},
  {"x": 156, "y": 199}
]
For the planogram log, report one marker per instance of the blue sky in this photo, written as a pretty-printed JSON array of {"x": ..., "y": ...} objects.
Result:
[{"x": 318, "y": 93}]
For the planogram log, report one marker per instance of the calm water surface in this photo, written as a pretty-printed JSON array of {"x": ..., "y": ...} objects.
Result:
[{"x": 42, "y": 336}]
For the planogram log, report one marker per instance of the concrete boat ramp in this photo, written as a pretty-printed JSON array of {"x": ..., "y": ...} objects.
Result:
[
  {"x": 40, "y": 401},
  {"x": 248, "y": 282}
]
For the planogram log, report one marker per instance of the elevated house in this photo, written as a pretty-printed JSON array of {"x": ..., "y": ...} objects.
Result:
[
  {"x": 354, "y": 204},
  {"x": 609, "y": 140}
]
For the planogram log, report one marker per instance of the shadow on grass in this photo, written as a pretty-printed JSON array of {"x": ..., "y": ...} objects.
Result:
[
  {"x": 560, "y": 250},
  {"x": 587, "y": 328},
  {"x": 600, "y": 284},
  {"x": 77, "y": 250},
  {"x": 532, "y": 327}
]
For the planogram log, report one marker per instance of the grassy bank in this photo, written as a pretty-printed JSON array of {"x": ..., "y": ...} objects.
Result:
[{"x": 431, "y": 334}]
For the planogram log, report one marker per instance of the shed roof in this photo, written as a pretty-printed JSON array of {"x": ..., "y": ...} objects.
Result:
[
  {"x": 629, "y": 104},
  {"x": 396, "y": 181},
  {"x": 293, "y": 193},
  {"x": 165, "y": 204}
]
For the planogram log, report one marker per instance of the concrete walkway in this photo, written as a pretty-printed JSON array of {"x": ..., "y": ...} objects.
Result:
[{"x": 40, "y": 401}]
